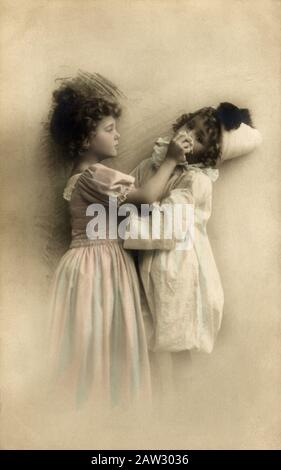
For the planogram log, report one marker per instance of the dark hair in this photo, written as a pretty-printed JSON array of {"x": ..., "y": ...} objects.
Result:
[
  {"x": 231, "y": 116},
  {"x": 75, "y": 115},
  {"x": 212, "y": 123}
]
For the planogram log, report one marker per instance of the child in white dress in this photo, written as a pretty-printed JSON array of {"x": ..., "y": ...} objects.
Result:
[{"x": 182, "y": 291}]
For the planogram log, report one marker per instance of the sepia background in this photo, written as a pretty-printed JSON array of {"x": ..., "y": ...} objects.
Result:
[{"x": 168, "y": 56}]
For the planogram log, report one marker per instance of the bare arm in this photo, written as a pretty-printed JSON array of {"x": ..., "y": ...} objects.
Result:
[{"x": 153, "y": 189}]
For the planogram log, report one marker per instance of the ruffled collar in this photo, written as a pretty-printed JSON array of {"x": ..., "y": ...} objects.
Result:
[{"x": 159, "y": 153}]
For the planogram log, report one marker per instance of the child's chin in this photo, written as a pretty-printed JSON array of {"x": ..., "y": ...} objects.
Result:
[{"x": 114, "y": 153}]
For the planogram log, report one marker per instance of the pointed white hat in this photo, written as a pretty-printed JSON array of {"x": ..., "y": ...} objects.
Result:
[{"x": 238, "y": 142}]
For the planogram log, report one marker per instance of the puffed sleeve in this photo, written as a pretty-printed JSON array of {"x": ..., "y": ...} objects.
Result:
[{"x": 98, "y": 182}]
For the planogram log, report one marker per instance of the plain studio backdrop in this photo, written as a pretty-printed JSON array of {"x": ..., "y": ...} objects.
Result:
[{"x": 167, "y": 57}]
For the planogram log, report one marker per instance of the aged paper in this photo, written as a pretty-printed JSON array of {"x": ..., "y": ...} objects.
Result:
[{"x": 168, "y": 57}]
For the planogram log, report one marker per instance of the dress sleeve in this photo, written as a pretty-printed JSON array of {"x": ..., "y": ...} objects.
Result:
[
  {"x": 143, "y": 224},
  {"x": 143, "y": 171},
  {"x": 98, "y": 182}
]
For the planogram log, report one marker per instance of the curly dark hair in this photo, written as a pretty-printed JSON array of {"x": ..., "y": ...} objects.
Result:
[
  {"x": 212, "y": 124},
  {"x": 78, "y": 106}
]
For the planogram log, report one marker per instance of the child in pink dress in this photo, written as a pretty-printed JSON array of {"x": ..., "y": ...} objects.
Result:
[{"x": 97, "y": 343}]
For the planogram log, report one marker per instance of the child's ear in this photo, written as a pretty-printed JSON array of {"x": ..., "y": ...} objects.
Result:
[{"x": 229, "y": 115}]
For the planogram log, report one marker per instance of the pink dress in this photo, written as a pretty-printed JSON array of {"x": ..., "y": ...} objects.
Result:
[{"x": 97, "y": 343}]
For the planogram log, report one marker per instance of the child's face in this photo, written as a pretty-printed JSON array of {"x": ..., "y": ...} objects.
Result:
[
  {"x": 200, "y": 135},
  {"x": 105, "y": 138}
]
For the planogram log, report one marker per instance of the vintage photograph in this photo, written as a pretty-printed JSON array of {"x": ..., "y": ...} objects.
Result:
[{"x": 140, "y": 254}]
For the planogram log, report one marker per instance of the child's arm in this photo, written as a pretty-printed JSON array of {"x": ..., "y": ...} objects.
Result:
[{"x": 153, "y": 189}]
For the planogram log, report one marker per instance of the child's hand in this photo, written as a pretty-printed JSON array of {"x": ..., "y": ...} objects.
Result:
[{"x": 179, "y": 146}]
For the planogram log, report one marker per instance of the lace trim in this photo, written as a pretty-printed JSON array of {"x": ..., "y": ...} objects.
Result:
[
  {"x": 122, "y": 197},
  {"x": 73, "y": 180},
  {"x": 70, "y": 186}
]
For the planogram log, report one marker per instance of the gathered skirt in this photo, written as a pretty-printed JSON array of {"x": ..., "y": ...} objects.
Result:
[{"x": 97, "y": 346}]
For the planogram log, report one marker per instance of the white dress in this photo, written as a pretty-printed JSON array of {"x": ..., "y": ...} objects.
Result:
[{"x": 182, "y": 291}]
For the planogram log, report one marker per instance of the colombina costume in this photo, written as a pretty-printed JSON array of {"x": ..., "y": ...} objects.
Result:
[{"x": 182, "y": 296}]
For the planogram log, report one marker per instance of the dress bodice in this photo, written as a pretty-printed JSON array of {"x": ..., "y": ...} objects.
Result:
[{"x": 88, "y": 194}]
